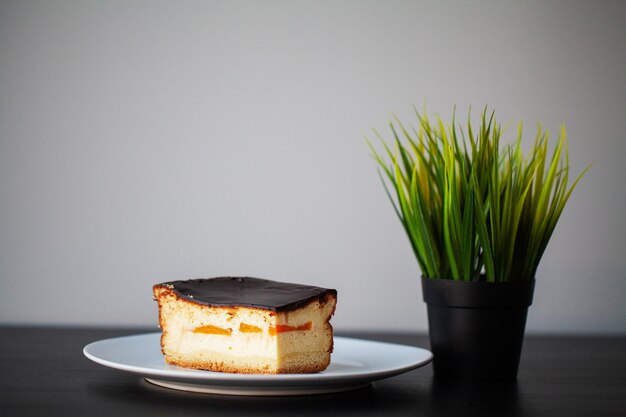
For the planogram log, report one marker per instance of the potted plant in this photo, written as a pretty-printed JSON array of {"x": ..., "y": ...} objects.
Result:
[{"x": 479, "y": 216}]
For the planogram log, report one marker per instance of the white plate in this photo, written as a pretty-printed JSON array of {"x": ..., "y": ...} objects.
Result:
[{"x": 354, "y": 363}]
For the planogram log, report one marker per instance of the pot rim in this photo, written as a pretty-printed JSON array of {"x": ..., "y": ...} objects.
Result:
[{"x": 480, "y": 294}]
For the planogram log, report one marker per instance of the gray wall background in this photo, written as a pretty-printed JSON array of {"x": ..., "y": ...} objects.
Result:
[{"x": 143, "y": 141}]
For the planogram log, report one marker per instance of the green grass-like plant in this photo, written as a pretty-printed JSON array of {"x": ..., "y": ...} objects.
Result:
[{"x": 474, "y": 210}]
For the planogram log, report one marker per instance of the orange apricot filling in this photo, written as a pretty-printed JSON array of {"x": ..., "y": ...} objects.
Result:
[
  {"x": 282, "y": 328},
  {"x": 208, "y": 329},
  {"x": 248, "y": 328}
]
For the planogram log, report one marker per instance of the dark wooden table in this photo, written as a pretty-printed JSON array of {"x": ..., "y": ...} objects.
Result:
[{"x": 44, "y": 373}]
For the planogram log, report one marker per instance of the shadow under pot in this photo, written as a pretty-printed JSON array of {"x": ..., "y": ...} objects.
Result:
[{"x": 476, "y": 328}]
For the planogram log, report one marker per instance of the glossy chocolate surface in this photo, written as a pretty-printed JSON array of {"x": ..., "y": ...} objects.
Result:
[{"x": 248, "y": 292}]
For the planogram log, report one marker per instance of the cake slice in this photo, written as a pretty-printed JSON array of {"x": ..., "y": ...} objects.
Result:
[{"x": 246, "y": 325}]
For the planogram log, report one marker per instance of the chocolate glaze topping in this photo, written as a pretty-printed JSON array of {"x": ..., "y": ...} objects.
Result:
[{"x": 248, "y": 292}]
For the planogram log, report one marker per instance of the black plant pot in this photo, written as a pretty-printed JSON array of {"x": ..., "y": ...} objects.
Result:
[{"x": 476, "y": 328}]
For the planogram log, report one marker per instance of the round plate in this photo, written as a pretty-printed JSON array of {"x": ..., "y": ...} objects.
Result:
[{"x": 354, "y": 364}]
